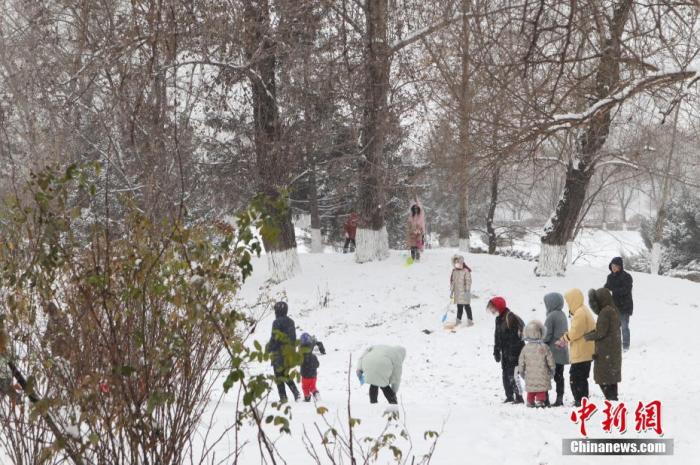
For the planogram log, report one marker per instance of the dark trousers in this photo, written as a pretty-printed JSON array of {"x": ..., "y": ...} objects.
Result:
[
  {"x": 509, "y": 383},
  {"x": 578, "y": 379},
  {"x": 348, "y": 241},
  {"x": 463, "y": 307},
  {"x": 386, "y": 390},
  {"x": 559, "y": 379},
  {"x": 609, "y": 391},
  {"x": 415, "y": 253},
  {"x": 282, "y": 378}
]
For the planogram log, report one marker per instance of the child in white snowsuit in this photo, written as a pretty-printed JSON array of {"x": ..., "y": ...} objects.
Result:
[
  {"x": 536, "y": 364},
  {"x": 461, "y": 288}
]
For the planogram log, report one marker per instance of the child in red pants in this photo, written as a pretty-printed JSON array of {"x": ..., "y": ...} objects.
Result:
[
  {"x": 309, "y": 367},
  {"x": 536, "y": 365}
]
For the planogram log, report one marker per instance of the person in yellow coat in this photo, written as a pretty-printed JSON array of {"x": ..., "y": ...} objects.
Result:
[{"x": 580, "y": 350}]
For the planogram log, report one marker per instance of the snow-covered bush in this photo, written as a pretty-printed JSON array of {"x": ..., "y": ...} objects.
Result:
[
  {"x": 680, "y": 234},
  {"x": 113, "y": 335}
]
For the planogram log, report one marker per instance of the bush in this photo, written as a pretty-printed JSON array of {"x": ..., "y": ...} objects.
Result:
[{"x": 113, "y": 326}]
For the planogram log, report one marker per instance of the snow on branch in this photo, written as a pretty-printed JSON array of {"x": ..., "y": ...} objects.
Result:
[
  {"x": 421, "y": 33},
  {"x": 569, "y": 120}
]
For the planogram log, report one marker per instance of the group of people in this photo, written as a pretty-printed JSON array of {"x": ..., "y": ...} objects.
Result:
[
  {"x": 415, "y": 230},
  {"x": 539, "y": 351},
  {"x": 282, "y": 350},
  {"x": 536, "y": 352}
]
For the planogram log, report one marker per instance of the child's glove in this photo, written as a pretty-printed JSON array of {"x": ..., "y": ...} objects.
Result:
[{"x": 497, "y": 356}]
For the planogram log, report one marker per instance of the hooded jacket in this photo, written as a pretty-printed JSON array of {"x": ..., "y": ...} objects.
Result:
[
  {"x": 416, "y": 226},
  {"x": 382, "y": 365},
  {"x": 607, "y": 368},
  {"x": 508, "y": 340},
  {"x": 556, "y": 326},
  {"x": 309, "y": 367},
  {"x": 282, "y": 339},
  {"x": 620, "y": 284},
  {"x": 536, "y": 362},
  {"x": 460, "y": 282},
  {"x": 580, "y": 350}
]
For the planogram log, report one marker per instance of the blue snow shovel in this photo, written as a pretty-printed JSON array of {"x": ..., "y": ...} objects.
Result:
[{"x": 447, "y": 310}]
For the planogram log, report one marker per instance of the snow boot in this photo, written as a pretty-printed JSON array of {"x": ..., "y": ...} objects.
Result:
[
  {"x": 317, "y": 396},
  {"x": 470, "y": 322},
  {"x": 539, "y": 404},
  {"x": 518, "y": 399},
  {"x": 508, "y": 400},
  {"x": 295, "y": 392},
  {"x": 559, "y": 402},
  {"x": 307, "y": 398}
]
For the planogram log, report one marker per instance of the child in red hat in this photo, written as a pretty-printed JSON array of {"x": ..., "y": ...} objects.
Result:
[{"x": 508, "y": 342}]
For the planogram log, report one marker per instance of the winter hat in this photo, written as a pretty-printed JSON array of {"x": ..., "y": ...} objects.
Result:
[
  {"x": 307, "y": 340},
  {"x": 499, "y": 303},
  {"x": 281, "y": 309},
  {"x": 616, "y": 261},
  {"x": 534, "y": 330}
]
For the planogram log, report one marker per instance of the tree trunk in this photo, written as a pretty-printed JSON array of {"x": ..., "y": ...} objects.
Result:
[
  {"x": 561, "y": 225},
  {"x": 464, "y": 140},
  {"x": 316, "y": 237},
  {"x": 657, "y": 248},
  {"x": 490, "y": 230},
  {"x": 372, "y": 238},
  {"x": 282, "y": 255}
]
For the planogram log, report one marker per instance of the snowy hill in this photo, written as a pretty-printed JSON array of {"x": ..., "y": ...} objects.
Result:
[{"x": 450, "y": 380}]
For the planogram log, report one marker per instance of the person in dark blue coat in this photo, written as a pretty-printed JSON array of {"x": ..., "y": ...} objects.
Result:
[{"x": 281, "y": 347}]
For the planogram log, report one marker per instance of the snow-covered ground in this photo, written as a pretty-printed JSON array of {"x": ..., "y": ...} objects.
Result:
[
  {"x": 592, "y": 247},
  {"x": 450, "y": 380}
]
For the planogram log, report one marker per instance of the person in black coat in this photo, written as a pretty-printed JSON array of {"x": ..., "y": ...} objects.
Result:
[
  {"x": 280, "y": 347},
  {"x": 619, "y": 283},
  {"x": 508, "y": 342},
  {"x": 309, "y": 367}
]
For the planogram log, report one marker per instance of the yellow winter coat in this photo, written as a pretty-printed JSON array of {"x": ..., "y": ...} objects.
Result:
[{"x": 582, "y": 322}]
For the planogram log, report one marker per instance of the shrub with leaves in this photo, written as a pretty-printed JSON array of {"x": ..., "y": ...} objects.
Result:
[{"x": 114, "y": 326}]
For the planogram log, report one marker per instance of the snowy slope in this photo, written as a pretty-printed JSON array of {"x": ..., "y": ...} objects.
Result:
[{"x": 451, "y": 381}]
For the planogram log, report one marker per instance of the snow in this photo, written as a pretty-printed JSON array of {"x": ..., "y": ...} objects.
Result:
[
  {"x": 593, "y": 247},
  {"x": 450, "y": 381}
]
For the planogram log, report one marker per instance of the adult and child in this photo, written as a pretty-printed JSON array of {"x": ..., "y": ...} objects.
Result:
[{"x": 537, "y": 351}]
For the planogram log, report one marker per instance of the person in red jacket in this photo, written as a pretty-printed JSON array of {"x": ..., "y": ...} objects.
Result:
[{"x": 350, "y": 231}]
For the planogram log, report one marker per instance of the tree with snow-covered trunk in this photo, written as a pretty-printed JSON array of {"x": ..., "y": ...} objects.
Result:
[
  {"x": 260, "y": 49},
  {"x": 560, "y": 227},
  {"x": 493, "y": 203},
  {"x": 372, "y": 238},
  {"x": 656, "y": 247}
]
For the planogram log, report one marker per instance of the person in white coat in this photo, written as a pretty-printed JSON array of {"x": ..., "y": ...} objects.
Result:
[{"x": 381, "y": 368}]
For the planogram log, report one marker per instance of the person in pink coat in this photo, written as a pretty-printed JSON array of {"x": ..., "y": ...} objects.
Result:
[{"x": 416, "y": 229}]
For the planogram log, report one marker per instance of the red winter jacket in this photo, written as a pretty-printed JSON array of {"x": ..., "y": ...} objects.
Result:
[{"x": 351, "y": 225}]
